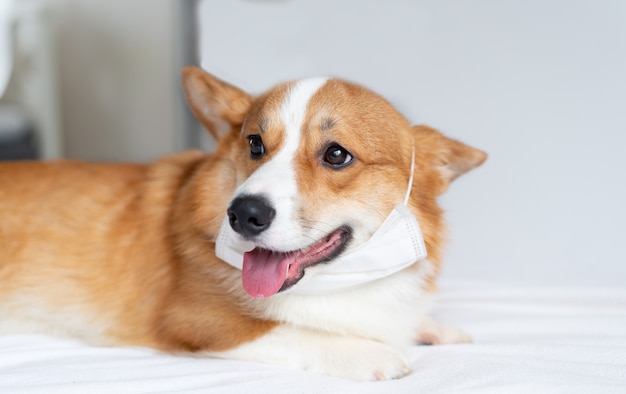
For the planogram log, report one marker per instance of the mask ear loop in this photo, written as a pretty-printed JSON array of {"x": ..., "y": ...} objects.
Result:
[{"x": 408, "y": 190}]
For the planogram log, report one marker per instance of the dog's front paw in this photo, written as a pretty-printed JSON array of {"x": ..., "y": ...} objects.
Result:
[
  {"x": 361, "y": 359},
  {"x": 433, "y": 333},
  {"x": 327, "y": 354}
]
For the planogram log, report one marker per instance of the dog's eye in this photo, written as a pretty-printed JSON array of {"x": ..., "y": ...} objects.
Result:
[
  {"x": 337, "y": 156},
  {"x": 256, "y": 146}
]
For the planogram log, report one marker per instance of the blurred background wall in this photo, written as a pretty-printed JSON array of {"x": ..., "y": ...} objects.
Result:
[
  {"x": 115, "y": 75},
  {"x": 115, "y": 60},
  {"x": 540, "y": 85}
]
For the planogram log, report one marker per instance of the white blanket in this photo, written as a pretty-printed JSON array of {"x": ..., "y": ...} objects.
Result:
[{"x": 528, "y": 340}]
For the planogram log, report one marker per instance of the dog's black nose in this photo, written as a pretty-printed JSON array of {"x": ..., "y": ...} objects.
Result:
[{"x": 250, "y": 215}]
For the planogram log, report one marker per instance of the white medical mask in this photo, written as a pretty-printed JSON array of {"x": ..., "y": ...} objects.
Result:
[{"x": 397, "y": 244}]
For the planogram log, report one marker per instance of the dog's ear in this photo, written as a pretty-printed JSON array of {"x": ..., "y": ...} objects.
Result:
[
  {"x": 450, "y": 157},
  {"x": 218, "y": 105}
]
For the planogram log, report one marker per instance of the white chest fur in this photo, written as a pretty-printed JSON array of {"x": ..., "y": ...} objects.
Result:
[{"x": 388, "y": 310}]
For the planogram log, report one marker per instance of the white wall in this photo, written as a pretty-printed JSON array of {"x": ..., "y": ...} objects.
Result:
[
  {"x": 540, "y": 85},
  {"x": 117, "y": 79}
]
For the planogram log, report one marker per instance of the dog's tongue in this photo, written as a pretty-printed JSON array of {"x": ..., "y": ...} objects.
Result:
[{"x": 264, "y": 271}]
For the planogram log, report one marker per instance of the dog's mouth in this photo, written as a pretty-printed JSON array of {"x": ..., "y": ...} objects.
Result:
[{"x": 266, "y": 272}]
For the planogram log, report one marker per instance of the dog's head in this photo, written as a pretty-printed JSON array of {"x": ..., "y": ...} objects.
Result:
[{"x": 318, "y": 165}]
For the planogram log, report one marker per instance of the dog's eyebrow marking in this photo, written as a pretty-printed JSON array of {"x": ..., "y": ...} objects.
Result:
[
  {"x": 243, "y": 125},
  {"x": 327, "y": 123},
  {"x": 262, "y": 124}
]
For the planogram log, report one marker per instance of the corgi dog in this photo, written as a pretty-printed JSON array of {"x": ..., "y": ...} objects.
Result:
[{"x": 302, "y": 179}]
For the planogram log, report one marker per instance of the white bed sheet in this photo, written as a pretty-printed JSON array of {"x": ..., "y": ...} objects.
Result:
[{"x": 528, "y": 340}]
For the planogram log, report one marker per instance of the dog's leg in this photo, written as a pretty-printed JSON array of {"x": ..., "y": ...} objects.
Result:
[
  {"x": 434, "y": 333},
  {"x": 341, "y": 356}
]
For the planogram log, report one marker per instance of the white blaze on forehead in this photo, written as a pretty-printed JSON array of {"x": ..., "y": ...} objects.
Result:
[
  {"x": 293, "y": 111},
  {"x": 276, "y": 179}
]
